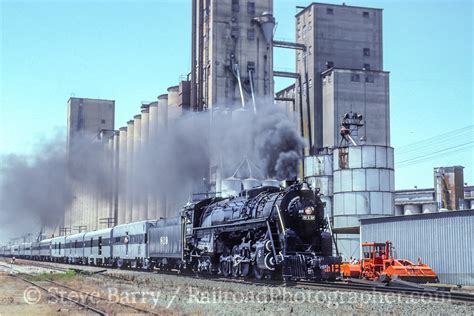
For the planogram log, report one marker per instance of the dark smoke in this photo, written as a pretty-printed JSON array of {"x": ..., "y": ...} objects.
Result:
[
  {"x": 39, "y": 188},
  {"x": 278, "y": 144},
  {"x": 36, "y": 189}
]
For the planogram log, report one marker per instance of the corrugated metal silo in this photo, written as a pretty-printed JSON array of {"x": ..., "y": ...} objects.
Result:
[
  {"x": 363, "y": 187},
  {"x": 318, "y": 173}
]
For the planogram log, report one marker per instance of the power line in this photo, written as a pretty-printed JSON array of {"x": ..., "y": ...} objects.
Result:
[
  {"x": 437, "y": 137},
  {"x": 433, "y": 148},
  {"x": 447, "y": 151}
]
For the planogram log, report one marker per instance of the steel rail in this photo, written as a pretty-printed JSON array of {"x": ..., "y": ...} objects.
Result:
[
  {"x": 88, "y": 307},
  {"x": 85, "y": 293},
  {"x": 434, "y": 293}
]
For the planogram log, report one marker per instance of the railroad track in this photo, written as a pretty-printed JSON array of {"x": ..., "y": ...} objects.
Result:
[
  {"x": 61, "y": 297},
  {"x": 84, "y": 294},
  {"x": 434, "y": 294}
]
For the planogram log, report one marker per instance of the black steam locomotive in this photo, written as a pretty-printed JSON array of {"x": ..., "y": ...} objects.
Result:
[{"x": 264, "y": 232}]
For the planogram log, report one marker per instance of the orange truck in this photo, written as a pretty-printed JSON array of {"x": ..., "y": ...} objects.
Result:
[{"x": 378, "y": 263}]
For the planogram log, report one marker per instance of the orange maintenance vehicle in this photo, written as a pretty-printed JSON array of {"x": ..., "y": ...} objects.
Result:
[{"x": 378, "y": 263}]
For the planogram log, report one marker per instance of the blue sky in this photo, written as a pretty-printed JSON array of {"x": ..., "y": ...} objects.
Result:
[{"x": 131, "y": 51}]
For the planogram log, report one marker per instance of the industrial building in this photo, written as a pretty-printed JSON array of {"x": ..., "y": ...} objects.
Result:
[
  {"x": 232, "y": 55},
  {"x": 87, "y": 121},
  {"x": 441, "y": 240},
  {"x": 340, "y": 77},
  {"x": 448, "y": 193}
]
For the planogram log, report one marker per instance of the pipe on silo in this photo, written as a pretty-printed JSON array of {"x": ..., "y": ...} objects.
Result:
[
  {"x": 121, "y": 176},
  {"x": 153, "y": 145},
  {"x": 137, "y": 132},
  {"x": 161, "y": 134},
  {"x": 144, "y": 155},
  {"x": 129, "y": 172}
]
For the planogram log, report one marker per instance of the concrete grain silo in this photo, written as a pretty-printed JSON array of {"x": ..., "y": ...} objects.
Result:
[
  {"x": 153, "y": 145},
  {"x": 107, "y": 198},
  {"x": 115, "y": 177},
  {"x": 144, "y": 153},
  {"x": 121, "y": 178},
  {"x": 173, "y": 96},
  {"x": 161, "y": 134},
  {"x": 137, "y": 132},
  {"x": 162, "y": 112},
  {"x": 129, "y": 172}
]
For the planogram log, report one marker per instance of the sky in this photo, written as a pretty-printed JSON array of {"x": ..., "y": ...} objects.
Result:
[{"x": 131, "y": 51}]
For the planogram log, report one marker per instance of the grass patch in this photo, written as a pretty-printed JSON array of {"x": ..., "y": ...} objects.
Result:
[{"x": 45, "y": 276}]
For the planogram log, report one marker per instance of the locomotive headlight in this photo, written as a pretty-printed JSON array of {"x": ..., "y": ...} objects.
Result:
[{"x": 309, "y": 210}]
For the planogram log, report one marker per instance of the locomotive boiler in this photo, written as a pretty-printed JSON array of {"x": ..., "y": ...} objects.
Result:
[{"x": 265, "y": 232}]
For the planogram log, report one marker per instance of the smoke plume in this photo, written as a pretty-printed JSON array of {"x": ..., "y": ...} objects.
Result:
[
  {"x": 175, "y": 163},
  {"x": 36, "y": 189}
]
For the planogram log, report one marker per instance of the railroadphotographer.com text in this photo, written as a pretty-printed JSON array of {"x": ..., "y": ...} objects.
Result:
[{"x": 197, "y": 296}]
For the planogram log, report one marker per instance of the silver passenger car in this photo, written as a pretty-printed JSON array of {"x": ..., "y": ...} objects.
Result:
[
  {"x": 57, "y": 249},
  {"x": 74, "y": 248},
  {"x": 130, "y": 243},
  {"x": 45, "y": 250},
  {"x": 25, "y": 250},
  {"x": 35, "y": 250},
  {"x": 15, "y": 250},
  {"x": 97, "y": 247}
]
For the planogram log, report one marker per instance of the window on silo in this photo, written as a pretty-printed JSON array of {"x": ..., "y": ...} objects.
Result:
[
  {"x": 251, "y": 8},
  {"x": 366, "y": 51},
  {"x": 102, "y": 121},
  {"x": 366, "y": 67},
  {"x": 365, "y": 14},
  {"x": 330, "y": 11},
  {"x": 369, "y": 79},
  {"x": 235, "y": 5}
]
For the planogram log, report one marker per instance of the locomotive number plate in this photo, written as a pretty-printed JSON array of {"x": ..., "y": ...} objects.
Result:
[{"x": 309, "y": 217}]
